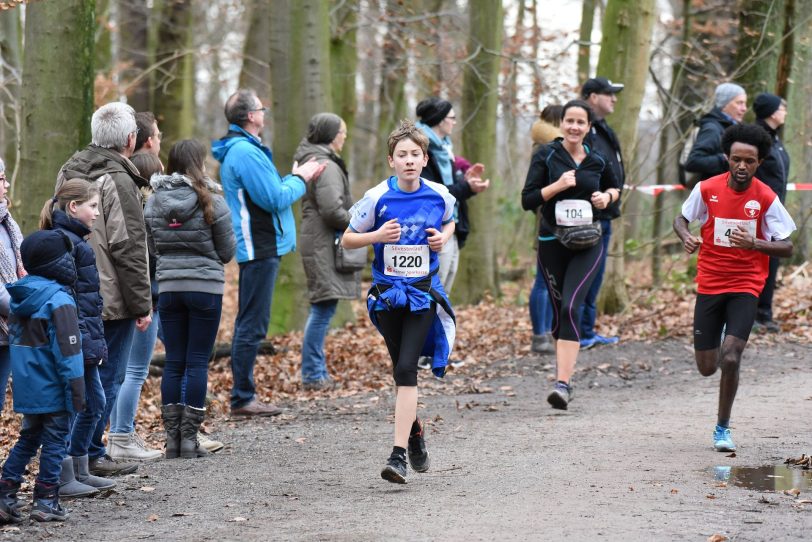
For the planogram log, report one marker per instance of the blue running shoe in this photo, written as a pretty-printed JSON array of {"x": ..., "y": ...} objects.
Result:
[
  {"x": 587, "y": 343},
  {"x": 722, "y": 440},
  {"x": 601, "y": 340}
]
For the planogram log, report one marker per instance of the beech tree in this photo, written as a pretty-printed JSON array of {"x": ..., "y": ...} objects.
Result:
[
  {"x": 10, "y": 73},
  {"x": 761, "y": 29},
  {"x": 57, "y": 98}
]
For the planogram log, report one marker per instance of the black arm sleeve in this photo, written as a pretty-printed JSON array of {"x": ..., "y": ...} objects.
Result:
[{"x": 537, "y": 178}]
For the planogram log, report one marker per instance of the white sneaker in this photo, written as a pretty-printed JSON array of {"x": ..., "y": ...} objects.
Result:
[
  {"x": 130, "y": 447},
  {"x": 210, "y": 445}
]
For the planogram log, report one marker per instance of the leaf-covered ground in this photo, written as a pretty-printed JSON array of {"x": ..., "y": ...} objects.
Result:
[{"x": 493, "y": 330}]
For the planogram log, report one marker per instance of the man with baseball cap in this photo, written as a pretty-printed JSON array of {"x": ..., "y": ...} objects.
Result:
[
  {"x": 601, "y": 95},
  {"x": 771, "y": 111}
]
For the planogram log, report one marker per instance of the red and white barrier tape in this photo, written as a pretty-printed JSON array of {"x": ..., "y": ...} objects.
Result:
[{"x": 657, "y": 189}]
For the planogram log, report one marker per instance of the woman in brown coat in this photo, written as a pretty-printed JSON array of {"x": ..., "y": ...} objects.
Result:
[{"x": 325, "y": 213}]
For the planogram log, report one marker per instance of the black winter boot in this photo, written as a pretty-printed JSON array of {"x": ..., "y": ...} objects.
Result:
[
  {"x": 172, "y": 416},
  {"x": 9, "y": 505},
  {"x": 46, "y": 503},
  {"x": 189, "y": 445}
]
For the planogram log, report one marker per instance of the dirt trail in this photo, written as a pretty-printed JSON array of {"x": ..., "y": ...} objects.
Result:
[{"x": 631, "y": 460}]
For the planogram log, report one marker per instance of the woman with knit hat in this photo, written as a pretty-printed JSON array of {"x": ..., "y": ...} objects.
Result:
[
  {"x": 437, "y": 121},
  {"x": 771, "y": 111},
  {"x": 706, "y": 159},
  {"x": 325, "y": 213}
]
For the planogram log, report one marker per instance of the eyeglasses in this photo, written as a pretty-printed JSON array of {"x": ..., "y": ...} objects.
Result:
[
  {"x": 263, "y": 109},
  {"x": 451, "y": 117}
]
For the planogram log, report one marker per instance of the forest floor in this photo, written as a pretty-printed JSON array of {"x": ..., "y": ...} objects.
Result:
[{"x": 631, "y": 460}]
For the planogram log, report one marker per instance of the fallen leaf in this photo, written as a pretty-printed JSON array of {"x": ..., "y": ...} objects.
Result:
[
  {"x": 711, "y": 496},
  {"x": 147, "y": 489},
  {"x": 717, "y": 538},
  {"x": 674, "y": 491},
  {"x": 301, "y": 440},
  {"x": 10, "y": 529},
  {"x": 794, "y": 492},
  {"x": 153, "y": 517},
  {"x": 804, "y": 501},
  {"x": 732, "y": 454},
  {"x": 238, "y": 519},
  {"x": 181, "y": 514}
]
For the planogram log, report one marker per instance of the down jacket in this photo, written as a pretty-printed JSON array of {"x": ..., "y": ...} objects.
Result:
[
  {"x": 190, "y": 253},
  {"x": 119, "y": 238},
  {"x": 88, "y": 296},
  {"x": 45, "y": 342},
  {"x": 325, "y": 213}
]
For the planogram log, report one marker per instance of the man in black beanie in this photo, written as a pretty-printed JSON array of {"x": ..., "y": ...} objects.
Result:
[{"x": 771, "y": 111}]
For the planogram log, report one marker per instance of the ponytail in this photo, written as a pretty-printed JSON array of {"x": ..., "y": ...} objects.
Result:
[
  {"x": 46, "y": 219},
  {"x": 78, "y": 190}
]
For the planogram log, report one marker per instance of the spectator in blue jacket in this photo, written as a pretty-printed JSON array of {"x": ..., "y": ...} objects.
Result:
[
  {"x": 260, "y": 201},
  {"x": 46, "y": 369},
  {"x": 73, "y": 210}
]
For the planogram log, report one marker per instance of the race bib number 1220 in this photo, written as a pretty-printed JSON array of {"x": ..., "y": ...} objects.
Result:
[{"x": 406, "y": 260}]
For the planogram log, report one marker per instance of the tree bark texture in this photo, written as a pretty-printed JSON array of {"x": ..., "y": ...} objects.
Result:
[
  {"x": 134, "y": 18},
  {"x": 624, "y": 56},
  {"x": 585, "y": 38},
  {"x": 174, "y": 97},
  {"x": 10, "y": 77},
  {"x": 57, "y": 98},
  {"x": 344, "y": 61},
  {"x": 761, "y": 28},
  {"x": 300, "y": 76},
  {"x": 477, "y": 270},
  {"x": 256, "y": 58}
]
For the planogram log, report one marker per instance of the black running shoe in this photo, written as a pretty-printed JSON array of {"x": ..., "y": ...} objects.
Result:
[
  {"x": 395, "y": 470},
  {"x": 560, "y": 397},
  {"x": 418, "y": 456}
]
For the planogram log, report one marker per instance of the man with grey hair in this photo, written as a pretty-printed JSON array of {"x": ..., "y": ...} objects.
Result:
[
  {"x": 119, "y": 241},
  {"x": 260, "y": 201},
  {"x": 706, "y": 158}
]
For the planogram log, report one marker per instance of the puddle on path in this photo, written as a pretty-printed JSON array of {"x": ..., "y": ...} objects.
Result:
[{"x": 765, "y": 478}]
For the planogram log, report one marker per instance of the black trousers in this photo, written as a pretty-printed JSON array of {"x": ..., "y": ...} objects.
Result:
[{"x": 764, "y": 313}]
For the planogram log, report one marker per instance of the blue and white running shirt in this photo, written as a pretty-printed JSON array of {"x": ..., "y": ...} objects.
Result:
[{"x": 430, "y": 206}]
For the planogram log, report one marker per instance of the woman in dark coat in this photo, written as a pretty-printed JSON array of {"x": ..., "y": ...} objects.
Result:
[{"x": 325, "y": 213}]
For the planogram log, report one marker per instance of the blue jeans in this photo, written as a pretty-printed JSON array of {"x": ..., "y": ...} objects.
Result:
[
  {"x": 119, "y": 336},
  {"x": 190, "y": 321},
  {"x": 5, "y": 370},
  {"x": 541, "y": 309},
  {"x": 122, "y": 418},
  {"x": 314, "y": 366},
  {"x": 47, "y": 430},
  {"x": 589, "y": 310},
  {"x": 84, "y": 423},
  {"x": 257, "y": 279}
]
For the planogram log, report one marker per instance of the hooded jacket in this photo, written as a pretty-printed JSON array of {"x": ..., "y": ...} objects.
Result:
[
  {"x": 325, "y": 213},
  {"x": 774, "y": 170},
  {"x": 706, "y": 158},
  {"x": 119, "y": 237},
  {"x": 259, "y": 198},
  {"x": 45, "y": 342},
  {"x": 190, "y": 253},
  {"x": 87, "y": 288}
]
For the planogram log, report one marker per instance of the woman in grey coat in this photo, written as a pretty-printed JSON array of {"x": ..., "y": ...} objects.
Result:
[
  {"x": 189, "y": 231},
  {"x": 325, "y": 213}
]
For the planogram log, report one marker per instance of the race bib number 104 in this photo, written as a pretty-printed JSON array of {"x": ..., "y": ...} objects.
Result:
[
  {"x": 573, "y": 212},
  {"x": 723, "y": 226},
  {"x": 406, "y": 260}
]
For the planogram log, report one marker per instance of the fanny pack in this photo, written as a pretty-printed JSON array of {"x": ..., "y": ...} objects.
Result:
[
  {"x": 579, "y": 237},
  {"x": 349, "y": 260}
]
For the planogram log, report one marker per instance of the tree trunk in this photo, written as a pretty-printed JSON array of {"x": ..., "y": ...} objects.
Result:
[
  {"x": 256, "y": 58},
  {"x": 134, "y": 18},
  {"x": 10, "y": 72},
  {"x": 300, "y": 76},
  {"x": 57, "y": 98},
  {"x": 627, "y": 29},
  {"x": 761, "y": 27},
  {"x": 174, "y": 98},
  {"x": 477, "y": 270},
  {"x": 344, "y": 62},
  {"x": 585, "y": 39},
  {"x": 798, "y": 129}
]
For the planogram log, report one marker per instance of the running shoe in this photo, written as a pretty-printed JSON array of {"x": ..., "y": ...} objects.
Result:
[
  {"x": 587, "y": 343},
  {"x": 395, "y": 470},
  {"x": 600, "y": 340},
  {"x": 723, "y": 440},
  {"x": 418, "y": 455},
  {"x": 560, "y": 397},
  {"x": 424, "y": 362}
]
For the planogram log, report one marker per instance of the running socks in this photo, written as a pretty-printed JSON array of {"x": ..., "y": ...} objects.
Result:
[{"x": 723, "y": 423}]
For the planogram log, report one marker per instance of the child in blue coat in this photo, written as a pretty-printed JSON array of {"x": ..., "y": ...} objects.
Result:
[{"x": 47, "y": 372}]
